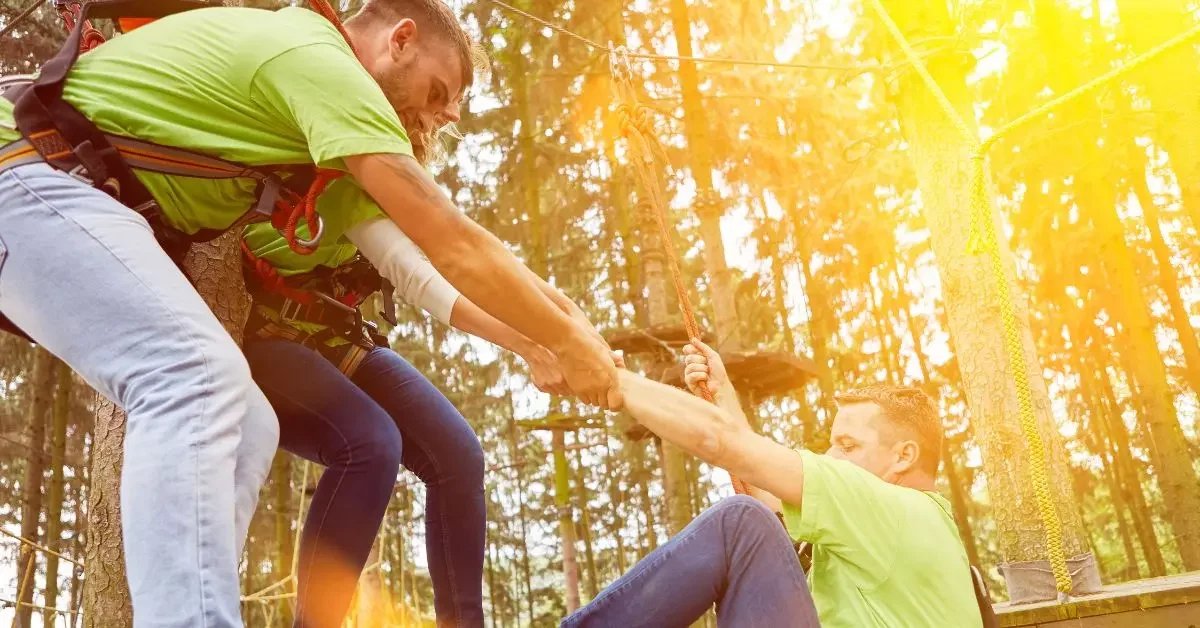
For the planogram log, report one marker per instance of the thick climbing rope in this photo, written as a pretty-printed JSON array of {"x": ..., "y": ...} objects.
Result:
[
  {"x": 637, "y": 126},
  {"x": 983, "y": 239}
]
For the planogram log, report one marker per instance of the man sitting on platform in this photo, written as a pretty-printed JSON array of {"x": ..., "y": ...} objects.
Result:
[{"x": 886, "y": 553}]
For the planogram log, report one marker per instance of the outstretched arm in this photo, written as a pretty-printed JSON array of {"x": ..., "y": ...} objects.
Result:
[
  {"x": 703, "y": 366},
  {"x": 400, "y": 261},
  {"x": 479, "y": 265},
  {"x": 714, "y": 436}
]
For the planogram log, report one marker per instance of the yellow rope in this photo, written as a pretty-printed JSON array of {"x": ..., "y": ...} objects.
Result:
[{"x": 983, "y": 239}]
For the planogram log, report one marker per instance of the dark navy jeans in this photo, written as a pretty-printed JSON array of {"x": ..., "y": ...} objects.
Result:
[
  {"x": 362, "y": 430},
  {"x": 735, "y": 555}
]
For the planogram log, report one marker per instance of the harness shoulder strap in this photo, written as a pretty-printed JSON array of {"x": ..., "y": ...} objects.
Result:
[{"x": 63, "y": 136}]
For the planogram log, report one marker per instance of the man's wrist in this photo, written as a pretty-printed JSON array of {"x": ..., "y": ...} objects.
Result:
[{"x": 571, "y": 338}]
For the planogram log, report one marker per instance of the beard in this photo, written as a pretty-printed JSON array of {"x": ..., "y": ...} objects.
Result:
[{"x": 394, "y": 81}]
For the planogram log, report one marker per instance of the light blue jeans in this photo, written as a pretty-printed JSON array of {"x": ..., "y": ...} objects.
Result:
[{"x": 83, "y": 276}]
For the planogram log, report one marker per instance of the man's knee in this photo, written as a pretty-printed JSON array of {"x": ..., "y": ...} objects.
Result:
[
  {"x": 209, "y": 372},
  {"x": 260, "y": 432},
  {"x": 738, "y": 505},
  {"x": 747, "y": 513}
]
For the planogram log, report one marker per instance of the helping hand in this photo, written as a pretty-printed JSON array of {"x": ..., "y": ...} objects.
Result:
[
  {"x": 545, "y": 372},
  {"x": 590, "y": 372},
  {"x": 702, "y": 365}
]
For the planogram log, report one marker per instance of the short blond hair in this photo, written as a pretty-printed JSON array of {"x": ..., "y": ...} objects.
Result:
[{"x": 910, "y": 412}]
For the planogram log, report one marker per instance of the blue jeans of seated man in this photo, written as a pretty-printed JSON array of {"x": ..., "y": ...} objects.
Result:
[
  {"x": 83, "y": 275},
  {"x": 735, "y": 555},
  {"x": 362, "y": 429}
]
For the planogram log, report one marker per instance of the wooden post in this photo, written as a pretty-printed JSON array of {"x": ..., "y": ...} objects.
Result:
[
  {"x": 41, "y": 386},
  {"x": 56, "y": 494}
]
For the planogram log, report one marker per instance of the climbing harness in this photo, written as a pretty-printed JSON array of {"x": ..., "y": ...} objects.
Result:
[
  {"x": 637, "y": 126},
  {"x": 984, "y": 240},
  {"x": 54, "y": 132},
  {"x": 331, "y": 297}
]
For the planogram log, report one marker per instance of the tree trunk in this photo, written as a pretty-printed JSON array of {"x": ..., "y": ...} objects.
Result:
[
  {"x": 215, "y": 268},
  {"x": 616, "y": 497},
  {"x": 583, "y": 498},
  {"x": 1169, "y": 282},
  {"x": 369, "y": 608},
  {"x": 879, "y": 315},
  {"x": 1132, "y": 564},
  {"x": 676, "y": 499},
  {"x": 517, "y": 459},
  {"x": 1101, "y": 436},
  {"x": 808, "y": 418},
  {"x": 566, "y": 524},
  {"x": 494, "y": 598},
  {"x": 251, "y": 577},
  {"x": 960, "y": 497},
  {"x": 402, "y": 565},
  {"x": 105, "y": 591},
  {"x": 1169, "y": 447},
  {"x": 58, "y": 450},
  {"x": 42, "y": 387},
  {"x": 1176, "y": 104},
  {"x": 708, "y": 202},
  {"x": 1143, "y": 522},
  {"x": 281, "y": 566},
  {"x": 820, "y": 331},
  {"x": 673, "y": 459},
  {"x": 649, "y": 542},
  {"x": 77, "y": 548},
  {"x": 942, "y": 161}
]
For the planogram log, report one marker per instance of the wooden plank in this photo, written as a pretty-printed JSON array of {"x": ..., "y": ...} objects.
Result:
[
  {"x": 1178, "y": 616},
  {"x": 656, "y": 338},
  {"x": 1159, "y": 601}
]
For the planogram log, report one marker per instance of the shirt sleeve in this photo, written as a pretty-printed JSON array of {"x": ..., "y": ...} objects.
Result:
[
  {"x": 400, "y": 261},
  {"x": 325, "y": 92},
  {"x": 851, "y": 512}
]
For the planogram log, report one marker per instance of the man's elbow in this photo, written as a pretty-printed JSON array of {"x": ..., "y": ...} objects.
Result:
[
  {"x": 721, "y": 442},
  {"x": 454, "y": 252}
]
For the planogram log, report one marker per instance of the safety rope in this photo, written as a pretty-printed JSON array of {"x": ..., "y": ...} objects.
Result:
[
  {"x": 272, "y": 281},
  {"x": 637, "y": 126},
  {"x": 70, "y": 12},
  {"x": 983, "y": 239},
  {"x": 324, "y": 175}
]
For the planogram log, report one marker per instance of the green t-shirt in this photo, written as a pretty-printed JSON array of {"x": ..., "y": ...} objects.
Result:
[
  {"x": 884, "y": 556},
  {"x": 342, "y": 205},
  {"x": 247, "y": 85}
]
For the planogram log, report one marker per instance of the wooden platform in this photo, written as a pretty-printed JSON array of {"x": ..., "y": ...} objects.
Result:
[
  {"x": 650, "y": 339},
  {"x": 1170, "y": 602}
]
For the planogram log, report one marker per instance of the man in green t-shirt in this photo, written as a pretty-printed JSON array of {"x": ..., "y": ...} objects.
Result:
[
  {"x": 886, "y": 551},
  {"x": 85, "y": 278}
]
